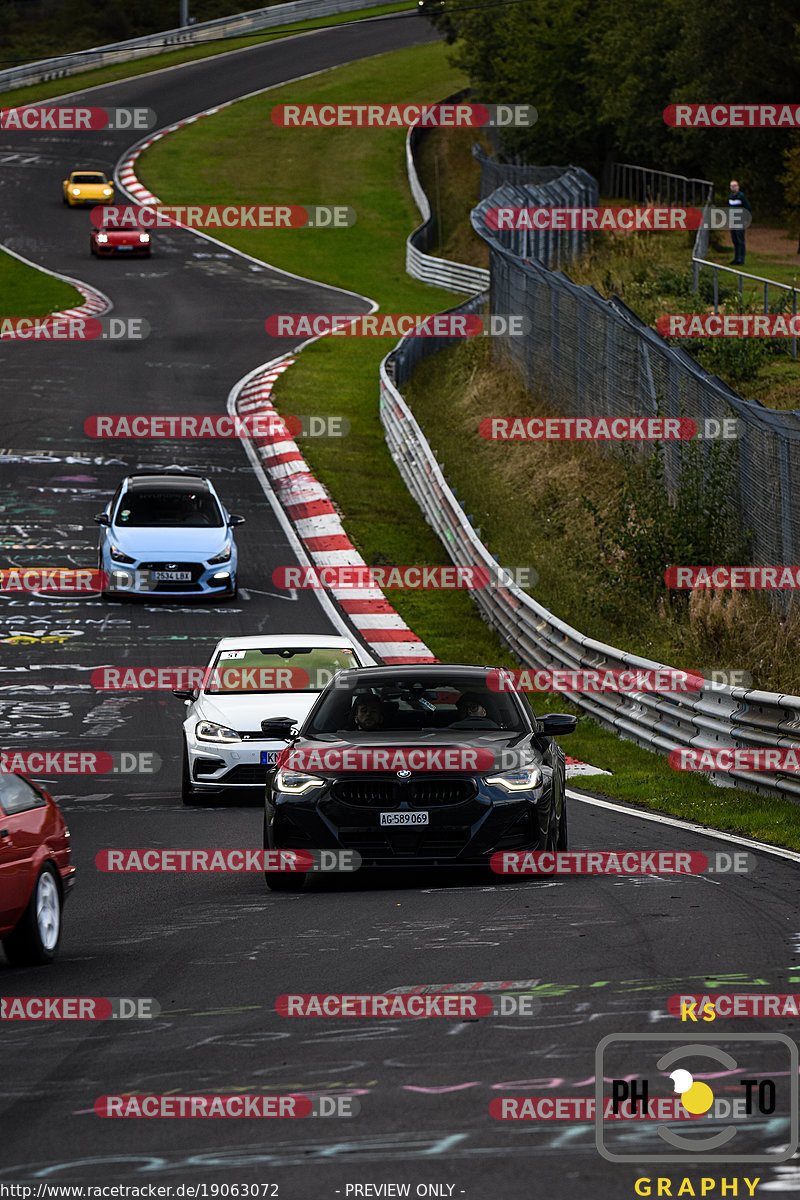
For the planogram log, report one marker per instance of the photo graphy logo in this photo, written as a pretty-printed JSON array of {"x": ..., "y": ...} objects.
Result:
[{"x": 641, "y": 1067}]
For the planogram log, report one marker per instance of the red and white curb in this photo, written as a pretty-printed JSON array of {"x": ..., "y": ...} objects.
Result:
[
  {"x": 319, "y": 528},
  {"x": 304, "y": 500},
  {"x": 575, "y": 767},
  {"x": 95, "y": 303}
]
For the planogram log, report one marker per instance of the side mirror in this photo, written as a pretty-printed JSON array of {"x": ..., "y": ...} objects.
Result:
[
  {"x": 102, "y": 519},
  {"x": 236, "y": 521},
  {"x": 557, "y": 724},
  {"x": 185, "y": 693},
  {"x": 278, "y": 727}
]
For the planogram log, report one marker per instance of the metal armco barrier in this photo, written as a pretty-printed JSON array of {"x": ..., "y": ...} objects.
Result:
[
  {"x": 717, "y": 717},
  {"x": 438, "y": 271},
  {"x": 171, "y": 39},
  {"x": 574, "y": 188}
]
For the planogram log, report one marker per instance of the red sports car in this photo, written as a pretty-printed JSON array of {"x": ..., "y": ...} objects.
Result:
[
  {"x": 120, "y": 241},
  {"x": 35, "y": 871}
]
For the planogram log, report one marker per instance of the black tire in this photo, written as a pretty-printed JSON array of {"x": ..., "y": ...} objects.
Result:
[
  {"x": 285, "y": 881},
  {"x": 563, "y": 835},
  {"x": 552, "y": 834},
  {"x": 37, "y": 934},
  {"x": 188, "y": 794}
]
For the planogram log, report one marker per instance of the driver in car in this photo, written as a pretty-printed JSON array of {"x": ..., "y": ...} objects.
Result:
[
  {"x": 472, "y": 713},
  {"x": 368, "y": 714}
]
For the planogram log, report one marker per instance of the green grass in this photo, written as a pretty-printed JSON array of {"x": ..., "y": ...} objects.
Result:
[
  {"x": 206, "y": 163},
  {"x": 27, "y": 292},
  {"x": 172, "y": 58}
]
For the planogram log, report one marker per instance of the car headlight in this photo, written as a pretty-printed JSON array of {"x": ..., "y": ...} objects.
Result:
[
  {"x": 118, "y": 556},
  {"x": 75, "y": 191},
  {"x": 108, "y": 191},
  {"x": 296, "y": 783},
  {"x": 144, "y": 237},
  {"x": 223, "y": 556},
  {"x": 520, "y": 779},
  {"x": 209, "y": 731},
  {"x": 102, "y": 237}
]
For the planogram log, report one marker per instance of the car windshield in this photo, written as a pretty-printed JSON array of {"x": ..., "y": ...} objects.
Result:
[
  {"x": 173, "y": 507},
  {"x": 301, "y": 669},
  {"x": 85, "y": 177},
  {"x": 416, "y": 705}
]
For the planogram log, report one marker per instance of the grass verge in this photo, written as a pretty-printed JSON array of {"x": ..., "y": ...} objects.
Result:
[
  {"x": 30, "y": 293},
  {"x": 342, "y": 377}
]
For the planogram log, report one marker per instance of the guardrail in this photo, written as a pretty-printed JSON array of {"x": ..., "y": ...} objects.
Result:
[
  {"x": 659, "y": 187},
  {"x": 170, "y": 39},
  {"x": 698, "y": 262},
  {"x": 717, "y": 717},
  {"x": 440, "y": 272}
]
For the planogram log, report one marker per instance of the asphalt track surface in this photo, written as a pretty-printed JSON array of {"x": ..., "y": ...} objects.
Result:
[{"x": 215, "y": 950}]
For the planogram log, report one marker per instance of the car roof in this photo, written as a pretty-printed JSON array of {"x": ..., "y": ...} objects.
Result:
[
  {"x": 177, "y": 483},
  {"x": 376, "y": 676},
  {"x": 279, "y": 641}
]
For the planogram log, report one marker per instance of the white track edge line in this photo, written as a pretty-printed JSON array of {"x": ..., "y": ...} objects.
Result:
[{"x": 689, "y": 826}]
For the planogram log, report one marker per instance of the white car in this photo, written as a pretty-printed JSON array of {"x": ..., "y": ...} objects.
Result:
[{"x": 249, "y": 680}]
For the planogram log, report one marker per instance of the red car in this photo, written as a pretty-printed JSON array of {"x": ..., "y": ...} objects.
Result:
[
  {"x": 120, "y": 241},
  {"x": 35, "y": 871}
]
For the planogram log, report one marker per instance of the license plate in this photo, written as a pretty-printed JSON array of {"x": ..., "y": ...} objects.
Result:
[
  {"x": 404, "y": 818},
  {"x": 269, "y": 757},
  {"x": 172, "y": 576},
  {"x": 124, "y": 247}
]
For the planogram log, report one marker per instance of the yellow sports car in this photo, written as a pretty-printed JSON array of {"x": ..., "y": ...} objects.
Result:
[{"x": 87, "y": 187}]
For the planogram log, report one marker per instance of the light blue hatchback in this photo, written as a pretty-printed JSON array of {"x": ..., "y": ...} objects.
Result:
[{"x": 166, "y": 534}]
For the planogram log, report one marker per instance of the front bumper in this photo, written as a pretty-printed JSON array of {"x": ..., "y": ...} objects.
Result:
[
  {"x": 218, "y": 766},
  {"x": 460, "y": 832},
  {"x": 135, "y": 579},
  {"x": 104, "y": 250}
]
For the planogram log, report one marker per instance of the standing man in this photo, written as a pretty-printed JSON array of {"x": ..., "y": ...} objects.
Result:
[{"x": 737, "y": 201}]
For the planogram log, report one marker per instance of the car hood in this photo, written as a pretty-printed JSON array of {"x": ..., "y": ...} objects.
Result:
[
  {"x": 506, "y": 747},
  {"x": 245, "y": 712},
  {"x": 169, "y": 543}
]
